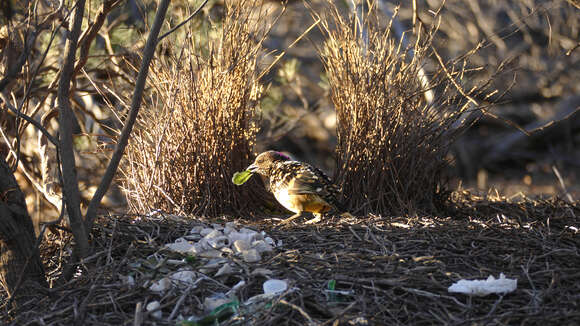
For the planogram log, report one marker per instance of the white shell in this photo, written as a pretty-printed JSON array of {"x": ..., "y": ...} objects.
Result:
[
  {"x": 206, "y": 231},
  {"x": 128, "y": 280},
  {"x": 241, "y": 245},
  {"x": 270, "y": 241},
  {"x": 218, "y": 242},
  {"x": 213, "y": 234},
  {"x": 274, "y": 286},
  {"x": 261, "y": 272},
  {"x": 228, "y": 230},
  {"x": 152, "y": 306},
  {"x": 161, "y": 285},
  {"x": 211, "y": 253},
  {"x": 251, "y": 256},
  {"x": 226, "y": 269},
  {"x": 261, "y": 246},
  {"x": 183, "y": 278},
  {"x": 180, "y": 245},
  {"x": 216, "y": 300},
  {"x": 246, "y": 230},
  {"x": 249, "y": 237}
]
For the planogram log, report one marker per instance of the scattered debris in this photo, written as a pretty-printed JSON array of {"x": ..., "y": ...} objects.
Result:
[{"x": 480, "y": 288}]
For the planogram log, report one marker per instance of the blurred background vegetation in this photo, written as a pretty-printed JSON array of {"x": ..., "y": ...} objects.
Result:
[{"x": 534, "y": 45}]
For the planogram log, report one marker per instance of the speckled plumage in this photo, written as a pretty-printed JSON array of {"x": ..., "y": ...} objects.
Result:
[{"x": 298, "y": 186}]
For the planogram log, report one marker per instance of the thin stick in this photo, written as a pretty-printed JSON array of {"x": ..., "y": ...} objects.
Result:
[
  {"x": 278, "y": 57},
  {"x": 182, "y": 23},
  {"x": 30, "y": 120},
  {"x": 300, "y": 310}
]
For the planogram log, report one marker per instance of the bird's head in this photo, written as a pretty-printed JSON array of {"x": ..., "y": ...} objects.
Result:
[{"x": 265, "y": 161}]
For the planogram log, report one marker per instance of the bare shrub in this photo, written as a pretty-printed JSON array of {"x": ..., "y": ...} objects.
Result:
[
  {"x": 392, "y": 143},
  {"x": 200, "y": 123}
]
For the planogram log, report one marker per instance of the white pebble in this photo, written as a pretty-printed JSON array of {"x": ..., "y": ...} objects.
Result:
[
  {"x": 261, "y": 246},
  {"x": 180, "y": 245},
  {"x": 218, "y": 242},
  {"x": 228, "y": 230},
  {"x": 241, "y": 245},
  {"x": 216, "y": 300},
  {"x": 213, "y": 234},
  {"x": 227, "y": 251},
  {"x": 226, "y": 269},
  {"x": 270, "y": 241},
  {"x": 129, "y": 280},
  {"x": 251, "y": 256},
  {"x": 161, "y": 285},
  {"x": 261, "y": 272},
  {"x": 183, "y": 278},
  {"x": 158, "y": 314},
  {"x": 249, "y": 237},
  {"x": 211, "y": 253},
  {"x": 206, "y": 231}
]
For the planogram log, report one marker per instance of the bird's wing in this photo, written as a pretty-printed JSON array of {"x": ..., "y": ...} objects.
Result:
[
  {"x": 309, "y": 180},
  {"x": 303, "y": 179}
]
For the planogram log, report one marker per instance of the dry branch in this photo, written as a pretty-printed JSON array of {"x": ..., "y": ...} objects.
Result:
[
  {"x": 501, "y": 145},
  {"x": 66, "y": 116}
]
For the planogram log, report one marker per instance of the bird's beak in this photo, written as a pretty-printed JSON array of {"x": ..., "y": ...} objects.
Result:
[{"x": 252, "y": 168}]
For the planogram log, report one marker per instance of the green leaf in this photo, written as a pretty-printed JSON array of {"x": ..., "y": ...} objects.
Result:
[
  {"x": 241, "y": 177},
  {"x": 331, "y": 284}
]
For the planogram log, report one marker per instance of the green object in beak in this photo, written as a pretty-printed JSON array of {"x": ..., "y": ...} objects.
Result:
[{"x": 240, "y": 178}]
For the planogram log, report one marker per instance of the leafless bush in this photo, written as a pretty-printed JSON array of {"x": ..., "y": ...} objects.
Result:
[
  {"x": 392, "y": 144},
  {"x": 200, "y": 123}
]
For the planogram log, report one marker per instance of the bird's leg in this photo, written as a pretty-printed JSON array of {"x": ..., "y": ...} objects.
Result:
[
  {"x": 317, "y": 218},
  {"x": 291, "y": 218}
]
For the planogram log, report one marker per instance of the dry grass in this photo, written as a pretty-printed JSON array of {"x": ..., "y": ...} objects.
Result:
[
  {"x": 200, "y": 124},
  {"x": 392, "y": 143}
]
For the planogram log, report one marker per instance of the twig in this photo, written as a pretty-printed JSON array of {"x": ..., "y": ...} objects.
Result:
[
  {"x": 182, "y": 298},
  {"x": 50, "y": 198},
  {"x": 30, "y": 120},
  {"x": 182, "y": 23},
  {"x": 300, "y": 310},
  {"x": 92, "y": 31},
  {"x": 563, "y": 185},
  {"x": 15, "y": 69},
  {"x": 138, "y": 314},
  {"x": 278, "y": 57},
  {"x": 452, "y": 80}
]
